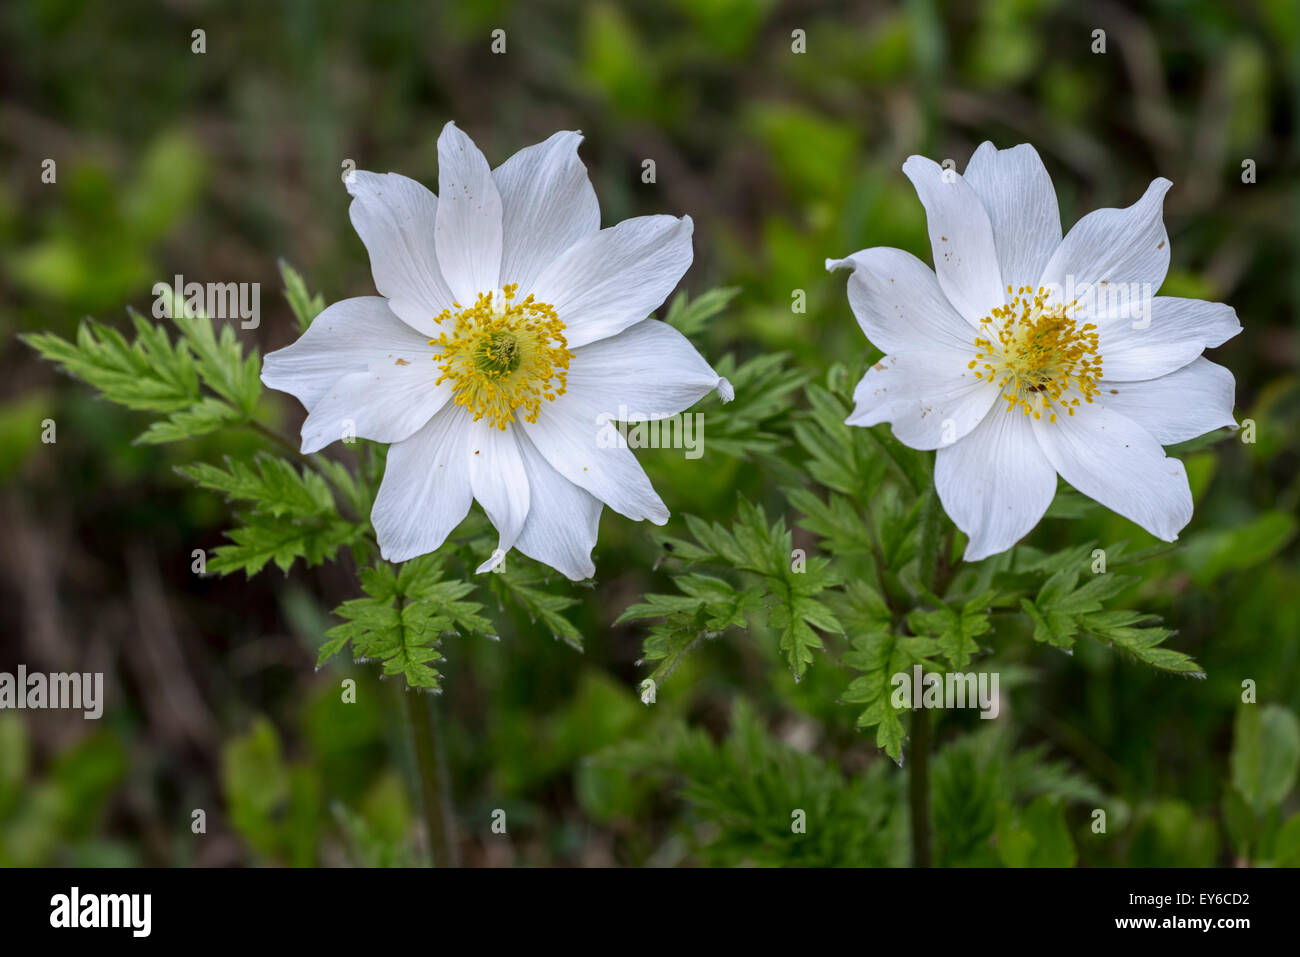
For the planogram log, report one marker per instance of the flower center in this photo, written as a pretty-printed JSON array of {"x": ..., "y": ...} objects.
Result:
[
  {"x": 1041, "y": 359},
  {"x": 503, "y": 355}
]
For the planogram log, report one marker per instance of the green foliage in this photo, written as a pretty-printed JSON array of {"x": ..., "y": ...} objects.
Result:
[
  {"x": 305, "y": 306},
  {"x": 339, "y": 799},
  {"x": 994, "y": 804},
  {"x": 690, "y": 316},
  {"x": 401, "y": 622},
  {"x": 787, "y": 584},
  {"x": 522, "y": 583},
  {"x": 52, "y": 817},
  {"x": 1063, "y": 609},
  {"x": 753, "y": 800},
  {"x": 1170, "y": 833},
  {"x": 273, "y": 804},
  {"x": 888, "y": 584},
  {"x": 707, "y": 608},
  {"x": 1036, "y": 836},
  {"x": 782, "y": 160},
  {"x": 750, "y": 427},
  {"x": 93, "y": 245},
  {"x": 294, "y": 515},
  {"x": 1265, "y": 753},
  {"x": 880, "y": 655},
  {"x": 378, "y": 832},
  {"x": 155, "y": 373},
  {"x": 955, "y": 628}
]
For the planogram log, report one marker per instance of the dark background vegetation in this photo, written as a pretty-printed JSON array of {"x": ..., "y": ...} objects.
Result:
[{"x": 217, "y": 165}]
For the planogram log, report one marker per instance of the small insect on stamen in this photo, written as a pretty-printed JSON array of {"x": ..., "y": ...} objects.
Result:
[{"x": 1041, "y": 355}]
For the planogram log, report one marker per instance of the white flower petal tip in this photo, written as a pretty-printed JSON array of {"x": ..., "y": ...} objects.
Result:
[
  {"x": 493, "y": 562},
  {"x": 725, "y": 391},
  {"x": 648, "y": 691}
]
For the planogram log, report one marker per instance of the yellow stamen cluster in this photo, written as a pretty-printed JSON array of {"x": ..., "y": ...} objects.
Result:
[
  {"x": 1041, "y": 359},
  {"x": 503, "y": 355}
]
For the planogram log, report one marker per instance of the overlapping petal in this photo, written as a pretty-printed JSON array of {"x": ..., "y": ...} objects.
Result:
[
  {"x": 961, "y": 237},
  {"x": 1181, "y": 405},
  {"x": 396, "y": 218},
  {"x": 929, "y": 399},
  {"x": 386, "y": 403},
  {"x": 1018, "y": 195},
  {"x": 648, "y": 371},
  {"x": 500, "y": 484},
  {"x": 547, "y": 205},
  {"x": 345, "y": 338},
  {"x": 996, "y": 483},
  {"x": 569, "y": 434},
  {"x": 426, "y": 490},
  {"x": 616, "y": 277},
  {"x": 1113, "y": 460},
  {"x": 899, "y": 305},
  {"x": 1111, "y": 247},
  {"x": 563, "y": 519},
  {"x": 468, "y": 229},
  {"x": 1163, "y": 340}
]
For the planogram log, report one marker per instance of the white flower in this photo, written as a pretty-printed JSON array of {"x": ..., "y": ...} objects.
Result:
[
  {"x": 1024, "y": 355},
  {"x": 507, "y": 322}
]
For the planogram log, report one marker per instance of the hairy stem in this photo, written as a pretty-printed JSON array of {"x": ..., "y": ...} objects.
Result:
[
  {"x": 918, "y": 787},
  {"x": 430, "y": 759},
  {"x": 935, "y": 548}
]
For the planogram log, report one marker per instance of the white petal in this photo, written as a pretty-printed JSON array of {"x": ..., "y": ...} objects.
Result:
[
  {"x": 616, "y": 277},
  {"x": 995, "y": 483},
  {"x": 1115, "y": 461},
  {"x": 346, "y": 337},
  {"x": 647, "y": 371},
  {"x": 567, "y": 433},
  {"x": 547, "y": 205},
  {"x": 1175, "y": 333},
  {"x": 386, "y": 403},
  {"x": 425, "y": 492},
  {"x": 1114, "y": 246},
  {"x": 1017, "y": 192},
  {"x": 560, "y": 530},
  {"x": 468, "y": 231},
  {"x": 395, "y": 218},
  {"x": 500, "y": 484},
  {"x": 929, "y": 399},
  {"x": 965, "y": 257},
  {"x": 1179, "y": 406},
  {"x": 899, "y": 305}
]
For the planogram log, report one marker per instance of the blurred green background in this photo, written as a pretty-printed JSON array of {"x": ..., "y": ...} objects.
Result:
[{"x": 216, "y": 165}]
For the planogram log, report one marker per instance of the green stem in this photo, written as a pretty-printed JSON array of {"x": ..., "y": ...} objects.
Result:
[
  {"x": 935, "y": 548},
  {"x": 918, "y": 787},
  {"x": 430, "y": 759}
]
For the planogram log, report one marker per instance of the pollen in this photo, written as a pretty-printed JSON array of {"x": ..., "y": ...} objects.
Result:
[
  {"x": 1043, "y": 360},
  {"x": 503, "y": 355}
]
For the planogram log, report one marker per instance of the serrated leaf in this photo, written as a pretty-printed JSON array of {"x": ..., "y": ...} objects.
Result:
[
  {"x": 149, "y": 374},
  {"x": 305, "y": 306},
  {"x": 955, "y": 629},
  {"x": 273, "y": 483},
  {"x": 880, "y": 655},
  {"x": 402, "y": 619},
  {"x": 204, "y": 416},
  {"x": 283, "y": 540},
  {"x": 689, "y": 316}
]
